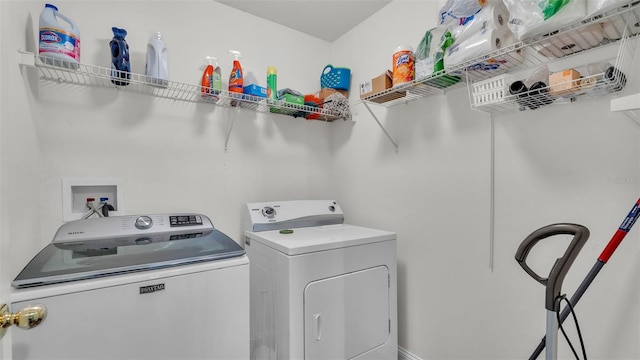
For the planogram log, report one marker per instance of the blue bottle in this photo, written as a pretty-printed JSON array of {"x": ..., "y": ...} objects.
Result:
[{"x": 120, "y": 65}]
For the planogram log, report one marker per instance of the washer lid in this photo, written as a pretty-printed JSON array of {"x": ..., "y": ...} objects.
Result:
[
  {"x": 78, "y": 259},
  {"x": 320, "y": 238}
]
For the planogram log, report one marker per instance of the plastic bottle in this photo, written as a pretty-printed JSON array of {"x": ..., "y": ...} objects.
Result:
[
  {"x": 120, "y": 65},
  {"x": 58, "y": 45},
  {"x": 207, "y": 79},
  {"x": 216, "y": 82},
  {"x": 157, "y": 69},
  {"x": 272, "y": 83},
  {"x": 236, "y": 79}
]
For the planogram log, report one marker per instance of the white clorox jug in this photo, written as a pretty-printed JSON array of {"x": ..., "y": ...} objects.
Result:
[{"x": 59, "y": 43}]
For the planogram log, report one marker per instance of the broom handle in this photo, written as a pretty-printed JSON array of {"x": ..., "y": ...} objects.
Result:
[{"x": 611, "y": 247}]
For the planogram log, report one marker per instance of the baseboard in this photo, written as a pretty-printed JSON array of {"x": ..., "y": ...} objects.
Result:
[{"x": 405, "y": 355}]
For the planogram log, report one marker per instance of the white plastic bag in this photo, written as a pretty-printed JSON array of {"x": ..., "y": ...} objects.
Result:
[
  {"x": 459, "y": 12},
  {"x": 597, "y": 6},
  {"x": 528, "y": 18},
  {"x": 491, "y": 16}
]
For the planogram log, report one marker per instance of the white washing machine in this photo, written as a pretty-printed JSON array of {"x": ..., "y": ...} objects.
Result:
[
  {"x": 136, "y": 287},
  {"x": 320, "y": 289}
]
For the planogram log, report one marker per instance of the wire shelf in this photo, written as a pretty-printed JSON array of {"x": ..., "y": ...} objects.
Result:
[
  {"x": 89, "y": 75},
  {"x": 418, "y": 89},
  {"x": 588, "y": 87},
  {"x": 620, "y": 25}
]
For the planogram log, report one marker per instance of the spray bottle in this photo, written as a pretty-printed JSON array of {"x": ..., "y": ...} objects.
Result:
[
  {"x": 272, "y": 83},
  {"x": 216, "y": 79},
  {"x": 236, "y": 80},
  {"x": 207, "y": 79}
]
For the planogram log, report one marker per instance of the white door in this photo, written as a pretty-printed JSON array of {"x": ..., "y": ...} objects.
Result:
[
  {"x": 4, "y": 297},
  {"x": 347, "y": 315},
  {"x": 3, "y": 283}
]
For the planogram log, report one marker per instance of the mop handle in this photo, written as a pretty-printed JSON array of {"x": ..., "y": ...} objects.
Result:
[
  {"x": 611, "y": 247},
  {"x": 553, "y": 283},
  {"x": 622, "y": 231}
]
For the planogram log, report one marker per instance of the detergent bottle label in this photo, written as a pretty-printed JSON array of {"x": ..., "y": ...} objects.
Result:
[
  {"x": 216, "y": 82},
  {"x": 235, "y": 81},
  {"x": 57, "y": 41}
]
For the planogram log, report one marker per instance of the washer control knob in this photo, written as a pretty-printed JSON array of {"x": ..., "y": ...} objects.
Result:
[
  {"x": 268, "y": 212},
  {"x": 332, "y": 208},
  {"x": 144, "y": 222}
]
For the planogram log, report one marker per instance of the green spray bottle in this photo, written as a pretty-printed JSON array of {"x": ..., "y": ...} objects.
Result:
[
  {"x": 216, "y": 77},
  {"x": 272, "y": 83}
]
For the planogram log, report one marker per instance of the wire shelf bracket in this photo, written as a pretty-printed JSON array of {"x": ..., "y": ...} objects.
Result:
[{"x": 393, "y": 142}]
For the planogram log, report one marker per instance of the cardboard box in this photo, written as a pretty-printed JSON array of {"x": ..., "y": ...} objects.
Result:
[
  {"x": 377, "y": 85},
  {"x": 564, "y": 82},
  {"x": 325, "y": 92}
]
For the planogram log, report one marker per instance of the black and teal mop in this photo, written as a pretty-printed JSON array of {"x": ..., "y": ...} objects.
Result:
[
  {"x": 553, "y": 282},
  {"x": 609, "y": 249}
]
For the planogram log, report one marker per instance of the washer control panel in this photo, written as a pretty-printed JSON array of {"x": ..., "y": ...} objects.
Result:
[
  {"x": 185, "y": 220},
  {"x": 96, "y": 228}
]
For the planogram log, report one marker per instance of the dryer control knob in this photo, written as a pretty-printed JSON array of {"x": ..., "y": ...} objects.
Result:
[
  {"x": 143, "y": 222},
  {"x": 268, "y": 212}
]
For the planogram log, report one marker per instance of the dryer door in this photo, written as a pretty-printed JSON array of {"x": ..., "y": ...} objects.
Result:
[{"x": 346, "y": 315}]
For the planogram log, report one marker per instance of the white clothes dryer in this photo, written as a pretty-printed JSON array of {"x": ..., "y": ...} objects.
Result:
[
  {"x": 320, "y": 289},
  {"x": 166, "y": 286}
]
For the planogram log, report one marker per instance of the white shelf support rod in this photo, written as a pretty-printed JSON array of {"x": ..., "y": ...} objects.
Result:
[
  {"x": 395, "y": 144},
  {"x": 492, "y": 197},
  {"x": 232, "y": 120}
]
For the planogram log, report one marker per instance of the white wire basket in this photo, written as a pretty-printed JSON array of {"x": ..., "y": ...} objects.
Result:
[{"x": 490, "y": 91}]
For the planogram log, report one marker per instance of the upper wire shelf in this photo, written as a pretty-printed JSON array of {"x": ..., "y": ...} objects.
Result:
[
  {"x": 82, "y": 74},
  {"x": 621, "y": 23},
  {"x": 434, "y": 84}
]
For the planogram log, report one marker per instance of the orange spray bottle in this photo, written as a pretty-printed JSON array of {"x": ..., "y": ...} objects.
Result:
[
  {"x": 207, "y": 79},
  {"x": 236, "y": 79}
]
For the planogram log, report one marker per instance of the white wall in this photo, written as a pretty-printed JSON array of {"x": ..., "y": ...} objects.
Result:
[
  {"x": 170, "y": 154},
  {"x": 574, "y": 163},
  {"x": 567, "y": 163}
]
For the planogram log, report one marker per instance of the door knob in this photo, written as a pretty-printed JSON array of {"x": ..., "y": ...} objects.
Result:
[{"x": 26, "y": 318}]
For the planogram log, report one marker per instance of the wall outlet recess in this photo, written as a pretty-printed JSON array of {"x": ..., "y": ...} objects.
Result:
[{"x": 76, "y": 191}]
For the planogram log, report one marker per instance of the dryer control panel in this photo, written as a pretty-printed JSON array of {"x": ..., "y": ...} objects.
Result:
[{"x": 279, "y": 215}]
